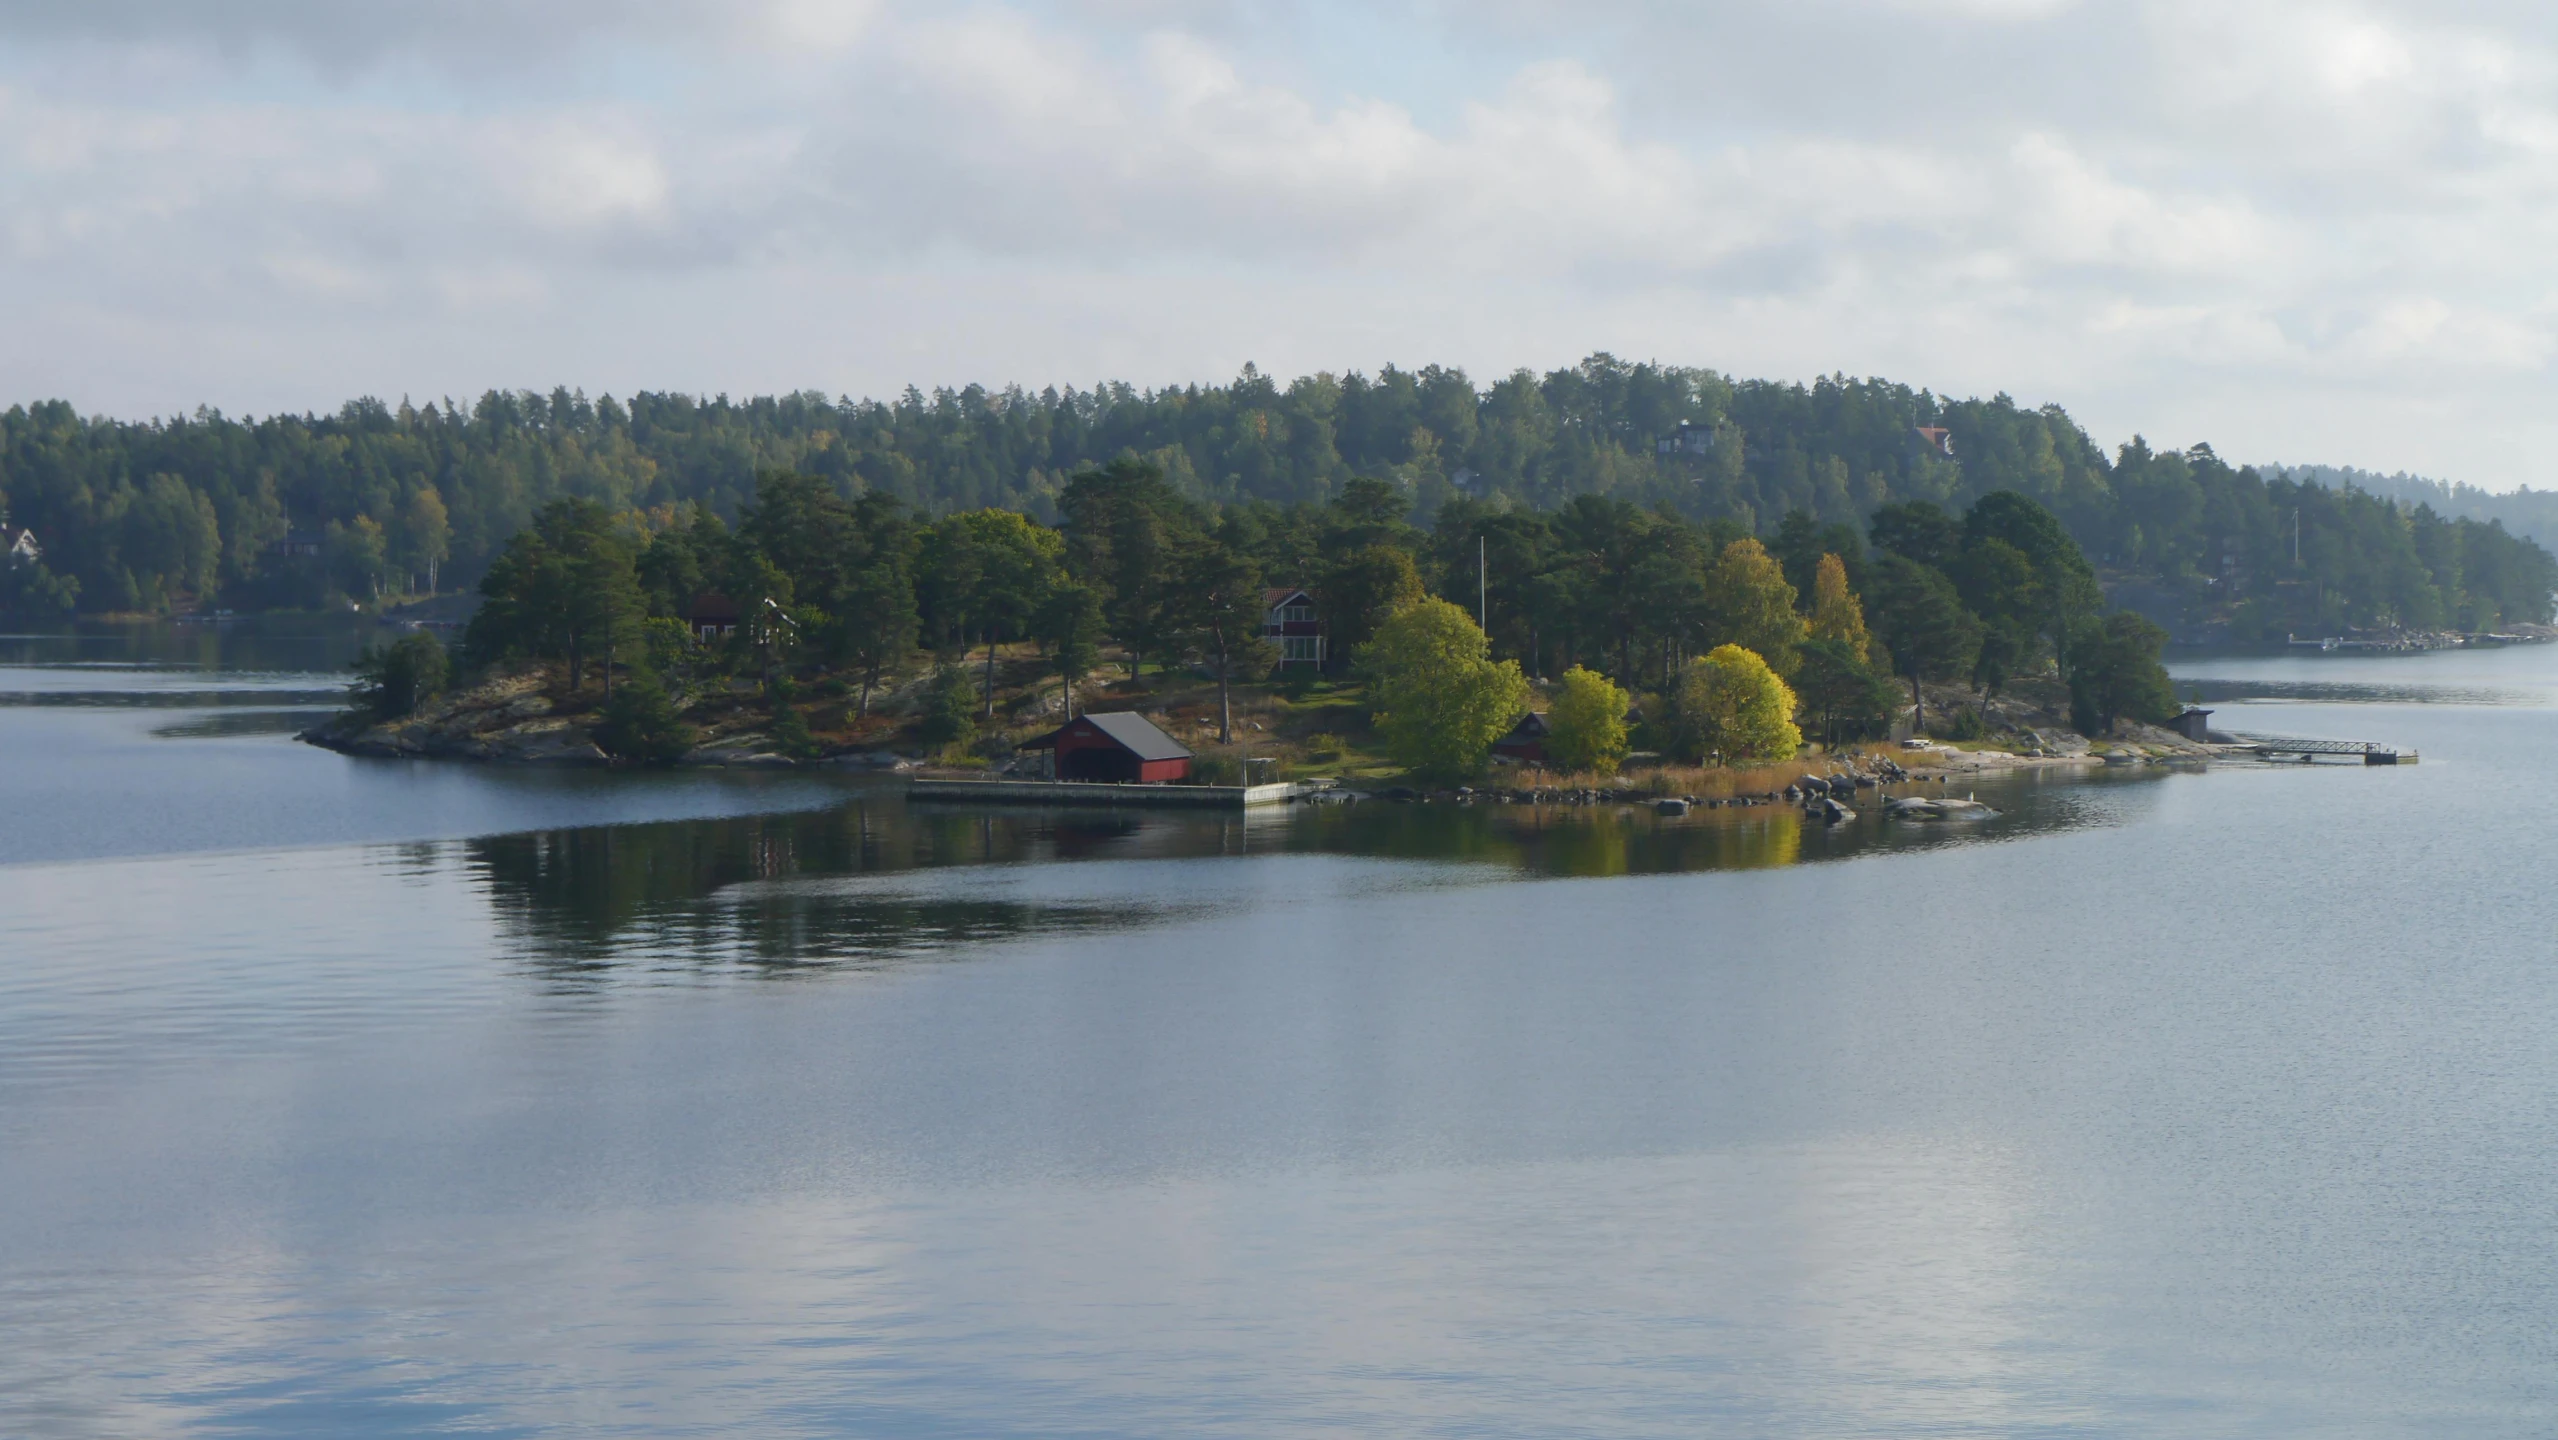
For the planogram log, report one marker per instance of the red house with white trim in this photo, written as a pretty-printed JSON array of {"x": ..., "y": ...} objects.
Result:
[{"x": 1289, "y": 622}]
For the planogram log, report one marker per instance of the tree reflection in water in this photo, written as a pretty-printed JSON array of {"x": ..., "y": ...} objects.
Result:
[{"x": 809, "y": 892}]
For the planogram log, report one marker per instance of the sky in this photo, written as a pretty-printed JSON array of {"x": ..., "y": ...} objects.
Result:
[{"x": 2297, "y": 230}]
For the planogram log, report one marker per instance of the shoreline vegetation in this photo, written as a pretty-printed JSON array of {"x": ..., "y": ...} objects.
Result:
[{"x": 1672, "y": 658}]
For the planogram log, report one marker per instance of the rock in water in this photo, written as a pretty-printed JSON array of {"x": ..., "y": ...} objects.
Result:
[{"x": 1670, "y": 807}]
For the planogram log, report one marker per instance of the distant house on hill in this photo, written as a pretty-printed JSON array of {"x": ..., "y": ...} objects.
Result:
[
  {"x": 1689, "y": 439},
  {"x": 1118, "y": 746},
  {"x": 1288, "y": 620},
  {"x": 1935, "y": 439},
  {"x": 298, "y": 544},
  {"x": 18, "y": 546}
]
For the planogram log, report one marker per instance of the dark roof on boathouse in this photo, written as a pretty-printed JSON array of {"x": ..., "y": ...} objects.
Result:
[{"x": 1119, "y": 746}]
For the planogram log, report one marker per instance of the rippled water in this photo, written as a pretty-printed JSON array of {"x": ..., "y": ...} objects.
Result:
[{"x": 2165, "y": 1104}]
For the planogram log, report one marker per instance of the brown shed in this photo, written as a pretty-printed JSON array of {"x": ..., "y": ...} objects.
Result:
[{"x": 1115, "y": 745}]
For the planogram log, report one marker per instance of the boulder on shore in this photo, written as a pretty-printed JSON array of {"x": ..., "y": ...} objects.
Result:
[{"x": 1919, "y": 807}]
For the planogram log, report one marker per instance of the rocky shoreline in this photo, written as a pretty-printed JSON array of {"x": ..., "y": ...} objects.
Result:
[{"x": 513, "y": 722}]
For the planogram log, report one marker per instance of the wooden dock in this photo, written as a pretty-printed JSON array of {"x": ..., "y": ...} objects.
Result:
[
  {"x": 2278, "y": 747},
  {"x": 1084, "y": 792}
]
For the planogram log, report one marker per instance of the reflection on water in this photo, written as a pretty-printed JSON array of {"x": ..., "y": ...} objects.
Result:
[
  {"x": 274, "y": 644},
  {"x": 2224, "y": 1107},
  {"x": 767, "y": 892},
  {"x": 2339, "y": 692},
  {"x": 232, "y": 724}
]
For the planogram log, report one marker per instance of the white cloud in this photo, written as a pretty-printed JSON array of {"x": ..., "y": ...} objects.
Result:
[{"x": 2149, "y": 211}]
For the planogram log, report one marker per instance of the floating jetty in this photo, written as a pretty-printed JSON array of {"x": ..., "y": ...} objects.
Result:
[
  {"x": 2369, "y": 752},
  {"x": 1092, "y": 792}
]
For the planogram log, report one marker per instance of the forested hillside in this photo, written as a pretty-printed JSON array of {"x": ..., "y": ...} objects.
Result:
[
  {"x": 2526, "y": 512},
  {"x": 380, "y": 499}
]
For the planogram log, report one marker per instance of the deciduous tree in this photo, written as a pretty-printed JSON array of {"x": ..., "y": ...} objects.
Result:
[
  {"x": 1585, "y": 729},
  {"x": 1436, "y": 695}
]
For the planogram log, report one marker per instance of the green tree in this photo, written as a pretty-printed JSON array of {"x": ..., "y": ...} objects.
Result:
[
  {"x": 800, "y": 524},
  {"x": 1435, "y": 693},
  {"x": 1360, "y": 589},
  {"x": 1585, "y": 729},
  {"x": 877, "y": 620},
  {"x": 1733, "y": 707},
  {"x": 640, "y": 723},
  {"x": 1997, "y": 582},
  {"x": 357, "y": 553},
  {"x": 2115, "y": 674},
  {"x": 1069, "y": 627},
  {"x": 1017, "y": 561},
  {"x": 1841, "y": 695},
  {"x": 1917, "y": 530},
  {"x": 604, "y": 604},
  {"x": 1921, "y": 622},
  {"x": 1124, "y": 522},
  {"x": 950, "y": 708},
  {"x": 1219, "y": 593},
  {"x": 791, "y": 735},
  {"x": 391, "y": 681}
]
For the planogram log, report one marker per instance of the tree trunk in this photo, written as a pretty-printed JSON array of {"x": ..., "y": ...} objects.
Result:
[
  {"x": 870, "y": 677},
  {"x": 608, "y": 673},
  {"x": 1918, "y": 698},
  {"x": 1225, "y": 707},
  {"x": 576, "y": 666},
  {"x": 990, "y": 674}
]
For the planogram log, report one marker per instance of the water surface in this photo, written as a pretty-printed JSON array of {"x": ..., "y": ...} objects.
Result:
[{"x": 2164, "y": 1105}]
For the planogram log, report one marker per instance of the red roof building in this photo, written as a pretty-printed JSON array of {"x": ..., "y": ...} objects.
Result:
[{"x": 1115, "y": 746}]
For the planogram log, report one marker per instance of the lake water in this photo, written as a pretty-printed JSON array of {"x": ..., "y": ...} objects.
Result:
[{"x": 343, "y": 1097}]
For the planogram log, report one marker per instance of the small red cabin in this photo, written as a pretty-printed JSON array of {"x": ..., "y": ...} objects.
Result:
[
  {"x": 1121, "y": 746},
  {"x": 1526, "y": 741}
]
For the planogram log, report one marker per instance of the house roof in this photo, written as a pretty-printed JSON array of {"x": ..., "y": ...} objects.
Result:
[
  {"x": 709, "y": 606},
  {"x": 1278, "y": 595},
  {"x": 1133, "y": 732},
  {"x": 1531, "y": 726}
]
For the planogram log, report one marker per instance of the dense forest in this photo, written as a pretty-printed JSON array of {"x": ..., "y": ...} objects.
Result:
[
  {"x": 380, "y": 500},
  {"x": 2524, "y": 511},
  {"x": 811, "y": 587}
]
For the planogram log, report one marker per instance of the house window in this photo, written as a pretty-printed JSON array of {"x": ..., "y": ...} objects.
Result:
[{"x": 1307, "y": 648}]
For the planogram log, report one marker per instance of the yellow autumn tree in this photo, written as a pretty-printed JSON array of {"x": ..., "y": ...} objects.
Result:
[
  {"x": 1586, "y": 728},
  {"x": 1732, "y": 707},
  {"x": 1836, "y": 615},
  {"x": 1749, "y": 603}
]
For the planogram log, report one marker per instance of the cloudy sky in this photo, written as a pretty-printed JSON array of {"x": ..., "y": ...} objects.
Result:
[{"x": 2305, "y": 231}]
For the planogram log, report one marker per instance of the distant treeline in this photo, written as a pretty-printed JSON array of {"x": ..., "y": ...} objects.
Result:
[
  {"x": 380, "y": 499},
  {"x": 2524, "y": 511}
]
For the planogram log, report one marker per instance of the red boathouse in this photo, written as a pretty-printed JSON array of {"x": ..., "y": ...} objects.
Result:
[{"x": 1115, "y": 745}]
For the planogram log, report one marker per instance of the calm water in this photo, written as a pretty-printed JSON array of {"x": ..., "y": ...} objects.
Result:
[{"x": 343, "y": 1097}]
